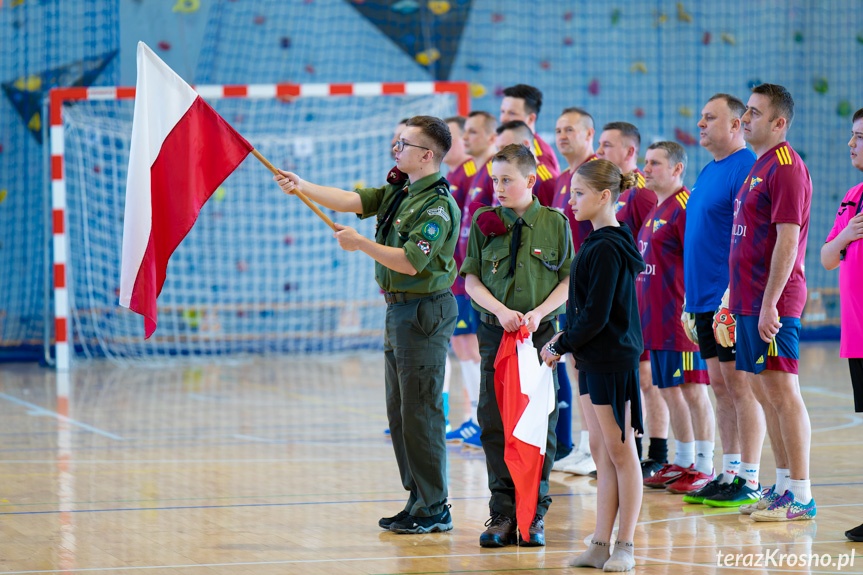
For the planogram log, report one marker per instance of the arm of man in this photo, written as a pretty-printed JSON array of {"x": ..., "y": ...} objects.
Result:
[
  {"x": 509, "y": 319},
  {"x": 394, "y": 258},
  {"x": 555, "y": 299},
  {"x": 332, "y": 198},
  {"x": 831, "y": 251},
  {"x": 784, "y": 254}
]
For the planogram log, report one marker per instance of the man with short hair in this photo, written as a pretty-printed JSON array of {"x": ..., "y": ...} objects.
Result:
[
  {"x": 678, "y": 371},
  {"x": 479, "y": 138},
  {"x": 517, "y": 132},
  {"x": 523, "y": 103},
  {"x": 619, "y": 143},
  {"x": 574, "y": 131},
  {"x": 415, "y": 237},
  {"x": 709, "y": 213},
  {"x": 767, "y": 293}
]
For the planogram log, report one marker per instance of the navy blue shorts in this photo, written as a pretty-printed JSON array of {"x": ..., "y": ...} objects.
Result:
[
  {"x": 754, "y": 355},
  {"x": 672, "y": 368},
  {"x": 468, "y": 317}
]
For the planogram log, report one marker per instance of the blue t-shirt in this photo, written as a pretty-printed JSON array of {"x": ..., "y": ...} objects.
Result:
[{"x": 707, "y": 242}]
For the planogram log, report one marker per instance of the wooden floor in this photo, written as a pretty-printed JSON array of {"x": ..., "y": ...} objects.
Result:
[{"x": 281, "y": 466}]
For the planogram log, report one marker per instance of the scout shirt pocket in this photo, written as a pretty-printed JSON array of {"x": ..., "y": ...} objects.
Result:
[
  {"x": 495, "y": 259},
  {"x": 541, "y": 257}
]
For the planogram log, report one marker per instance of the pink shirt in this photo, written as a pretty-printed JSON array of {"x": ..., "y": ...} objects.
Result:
[{"x": 850, "y": 278}]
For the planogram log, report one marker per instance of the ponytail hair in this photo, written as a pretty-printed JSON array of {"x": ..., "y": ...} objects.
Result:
[{"x": 601, "y": 175}]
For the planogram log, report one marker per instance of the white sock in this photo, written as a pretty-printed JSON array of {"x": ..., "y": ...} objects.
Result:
[
  {"x": 584, "y": 441},
  {"x": 749, "y": 473},
  {"x": 783, "y": 480},
  {"x": 802, "y": 490},
  {"x": 447, "y": 372},
  {"x": 470, "y": 375},
  {"x": 704, "y": 456},
  {"x": 684, "y": 453},
  {"x": 730, "y": 466}
]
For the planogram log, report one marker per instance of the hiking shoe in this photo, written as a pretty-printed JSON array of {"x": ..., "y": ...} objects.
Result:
[
  {"x": 734, "y": 495},
  {"x": 434, "y": 523},
  {"x": 536, "y": 534},
  {"x": 386, "y": 522},
  {"x": 500, "y": 532}
]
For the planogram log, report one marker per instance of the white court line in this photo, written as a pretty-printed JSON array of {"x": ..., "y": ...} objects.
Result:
[
  {"x": 258, "y": 439},
  {"x": 187, "y": 461},
  {"x": 42, "y": 411}
]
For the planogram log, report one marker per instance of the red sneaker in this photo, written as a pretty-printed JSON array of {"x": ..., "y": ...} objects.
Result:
[
  {"x": 690, "y": 481},
  {"x": 668, "y": 474}
]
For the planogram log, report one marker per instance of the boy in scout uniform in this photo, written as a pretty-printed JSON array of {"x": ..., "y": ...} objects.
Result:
[
  {"x": 516, "y": 273},
  {"x": 416, "y": 235}
]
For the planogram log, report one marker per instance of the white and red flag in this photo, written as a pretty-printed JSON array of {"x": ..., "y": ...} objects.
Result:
[
  {"x": 524, "y": 387},
  {"x": 181, "y": 151}
]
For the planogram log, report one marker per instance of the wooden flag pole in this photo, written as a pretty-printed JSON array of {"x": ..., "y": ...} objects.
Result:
[{"x": 299, "y": 194}]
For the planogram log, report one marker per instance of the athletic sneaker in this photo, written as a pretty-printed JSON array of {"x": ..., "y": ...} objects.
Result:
[
  {"x": 708, "y": 490},
  {"x": 734, "y": 495},
  {"x": 768, "y": 496},
  {"x": 435, "y": 523},
  {"x": 649, "y": 467},
  {"x": 582, "y": 467},
  {"x": 473, "y": 441},
  {"x": 385, "y": 522},
  {"x": 574, "y": 457},
  {"x": 855, "y": 534},
  {"x": 467, "y": 429},
  {"x": 692, "y": 480},
  {"x": 667, "y": 474},
  {"x": 786, "y": 508}
]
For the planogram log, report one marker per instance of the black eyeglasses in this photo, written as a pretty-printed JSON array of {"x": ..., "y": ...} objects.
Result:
[{"x": 400, "y": 145}]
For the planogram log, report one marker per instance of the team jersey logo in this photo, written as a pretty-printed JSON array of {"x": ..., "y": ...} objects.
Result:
[
  {"x": 439, "y": 211},
  {"x": 563, "y": 190},
  {"x": 656, "y": 224},
  {"x": 619, "y": 206},
  {"x": 754, "y": 182},
  {"x": 424, "y": 247},
  {"x": 737, "y": 204},
  {"x": 431, "y": 231}
]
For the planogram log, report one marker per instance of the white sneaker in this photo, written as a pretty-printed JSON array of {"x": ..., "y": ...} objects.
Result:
[
  {"x": 583, "y": 467},
  {"x": 574, "y": 457}
]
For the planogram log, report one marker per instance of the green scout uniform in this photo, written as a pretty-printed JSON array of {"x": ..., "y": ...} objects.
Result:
[
  {"x": 421, "y": 316},
  {"x": 542, "y": 261}
]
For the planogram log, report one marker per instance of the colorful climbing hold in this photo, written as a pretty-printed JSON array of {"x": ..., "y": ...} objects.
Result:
[
  {"x": 359, "y": 184},
  {"x": 728, "y": 38},
  {"x": 705, "y": 39},
  {"x": 164, "y": 45},
  {"x": 593, "y": 87},
  {"x": 684, "y": 137},
  {"x": 498, "y": 91},
  {"x": 187, "y": 6},
  {"x": 30, "y": 83},
  {"x": 638, "y": 67},
  {"x": 289, "y": 240},
  {"x": 477, "y": 90},
  {"x": 439, "y": 7},
  {"x": 660, "y": 18},
  {"x": 639, "y": 112},
  {"x": 615, "y": 17},
  {"x": 242, "y": 266},
  {"x": 798, "y": 37},
  {"x": 3, "y": 194},
  {"x": 860, "y": 38},
  {"x": 496, "y": 17},
  {"x": 682, "y": 14},
  {"x": 428, "y": 56},
  {"x": 567, "y": 16},
  {"x": 219, "y": 194},
  {"x": 309, "y": 69},
  {"x": 474, "y": 66},
  {"x": 285, "y": 42},
  {"x": 685, "y": 112},
  {"x": 843, "y": 109},
  {"x": 567, "y": 41},
  {"x": 259, "y": 19},
  {"x": 405, "y": 7},
  {"x": 820, "y": 85},
  {"x": 545, "y": 64},
  {"x": 752, "y": 83}
]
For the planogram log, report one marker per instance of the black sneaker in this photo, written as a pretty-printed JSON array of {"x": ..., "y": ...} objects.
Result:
[
  {"x": 432, "y": 524},
  {"x": 855, "y": 534},
  {"x": 649, "y": 467},
  {"x": 706, "y": 492},
  {"x": 500, "y": 532},
  {"x": 536, "y": 534},
  {"x": 386, "y": 522}
]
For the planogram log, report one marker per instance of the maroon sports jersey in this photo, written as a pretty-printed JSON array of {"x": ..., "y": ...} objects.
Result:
[
  {"x": 778, "y": 190},
  {"x": 660, "y": 287},
  {"x": 545, "y": 155},
  {"x": 460, "y": 180},
  {"x": 481, "y": 190},
  {"x": 561, "y": 203}
]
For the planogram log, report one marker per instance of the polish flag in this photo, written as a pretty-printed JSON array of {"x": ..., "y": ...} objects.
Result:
[
  {"x": 181, "y": 151},
  {"x": 524, "y": 387}
]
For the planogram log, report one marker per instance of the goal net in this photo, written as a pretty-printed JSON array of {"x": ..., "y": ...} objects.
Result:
[{"x": 259, "y": 272}]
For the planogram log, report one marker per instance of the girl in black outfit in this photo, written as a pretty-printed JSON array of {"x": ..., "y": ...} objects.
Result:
[{"x": 603, "y": 332}]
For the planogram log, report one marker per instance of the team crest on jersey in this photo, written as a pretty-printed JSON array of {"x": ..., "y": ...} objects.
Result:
[
  {"x": 431, "y": 231},
  {"x": 439, "y": 211},
  {"x": 618, "y": 206},
  {"x": 658, "y": 224},
  {"x": 754, "y": 182}
]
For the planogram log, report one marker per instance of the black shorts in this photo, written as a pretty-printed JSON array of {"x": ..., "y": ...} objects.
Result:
[
  {"x": 856, "y": 365},
  {"x": 707, "y": 341},
  {"x": 614, "y": 389}
]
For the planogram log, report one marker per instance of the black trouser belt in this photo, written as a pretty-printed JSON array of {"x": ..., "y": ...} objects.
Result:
[
  {"x": 492, "y": 319},
  {"x": 402, "y": 297}
]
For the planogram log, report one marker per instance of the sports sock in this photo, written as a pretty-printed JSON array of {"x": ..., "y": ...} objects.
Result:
[
  {"x": 783, "y": 480},
  {"x": 684, "y": 453},
  {"x": 730, "y": 466},
  {"x": 638, "y": 449},
  {"x": 584, "y": 441},
  {"x": 749, "y": 473},
  {"x": 802, "y": 490},
  {"x": 658, "y": 450},
  {"x": 470, "y": 375},
  {"x": 623, "y": 558},
  {"x": 596, "y": 555},
  {"x": 564, "y": 406},
  {"x": 704, "y": 456},
  {"x": 447, "y": 374}
]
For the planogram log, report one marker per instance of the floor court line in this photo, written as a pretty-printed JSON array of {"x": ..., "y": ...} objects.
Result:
[{"x": 42, "y": 411}]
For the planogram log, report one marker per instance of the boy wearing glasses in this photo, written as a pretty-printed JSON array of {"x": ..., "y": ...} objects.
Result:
[{"x": 415, "y": 237}]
